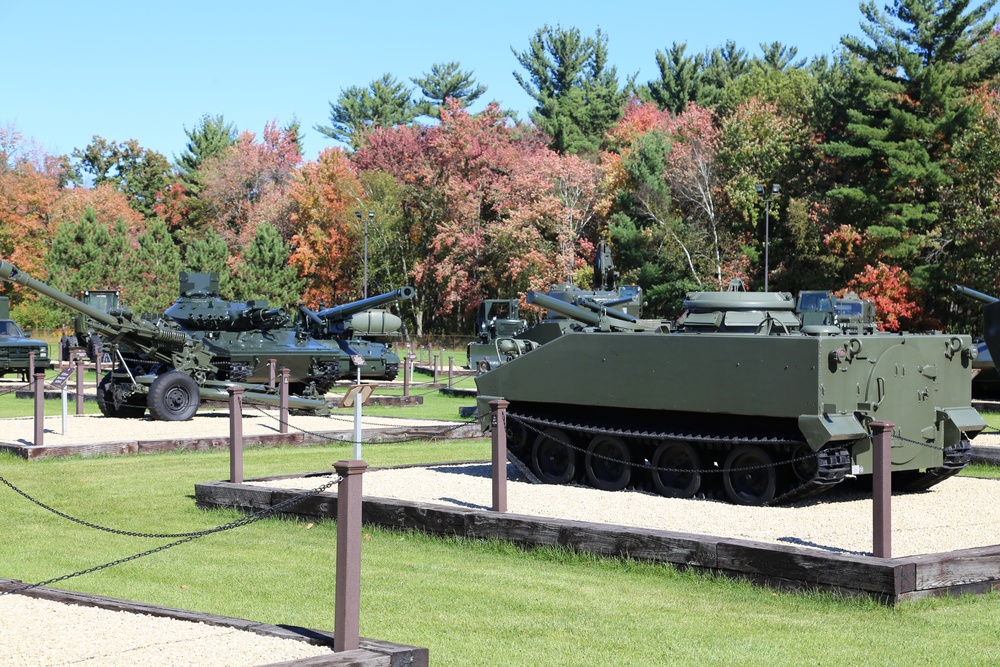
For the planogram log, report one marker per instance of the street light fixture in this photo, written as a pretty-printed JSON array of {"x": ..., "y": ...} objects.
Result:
[
  {"x": 371, "y": 216},
  {"x": 767, "y": 197}
]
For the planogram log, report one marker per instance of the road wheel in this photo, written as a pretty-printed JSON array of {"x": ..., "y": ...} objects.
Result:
[
  {"x": 608, "y": 463},
  {"x": 749, "y": 476},
  {"x": 173, "y": 396},
  {"x": 552, "y": 457},
  {"x": 676, "y": 469}
]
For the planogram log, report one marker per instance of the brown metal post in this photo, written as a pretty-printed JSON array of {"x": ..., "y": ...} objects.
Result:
[
  {"x": 498, "y": 428},
  {"x": 31, "y": 363},
  {"x": 882, "y": 488},
  {"x": 435, "y": 367},
  {"x": 347, "y": 609},
  {"x": 235, "y": 434},
  {"x": 283, "y": 401},
  {"x": 39, "y": 409},
  {"x": 271, "y": 365},
  {"x": 79, "y": 385},
  {"x": 451, "y": 370}
]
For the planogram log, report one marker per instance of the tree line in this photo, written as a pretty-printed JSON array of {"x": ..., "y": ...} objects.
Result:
[{"x": 875, "y": 169}]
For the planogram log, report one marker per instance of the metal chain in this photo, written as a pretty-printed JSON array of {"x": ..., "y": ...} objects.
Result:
[{"x": 189, "y": 537}]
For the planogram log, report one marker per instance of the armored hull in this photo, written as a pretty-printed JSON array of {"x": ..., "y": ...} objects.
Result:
[{"x": 764, "y": 413}]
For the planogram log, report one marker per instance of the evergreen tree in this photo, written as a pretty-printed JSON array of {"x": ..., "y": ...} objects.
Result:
[
  {"x": 76, "y": 258},
  {"x": 444, "y": 81},
  {"x": 913, "y": 80},
  {"x": 578, "y": 96},
  {"x": 779, "y": 57},
  {"x": 384, "y": 103},
  {"x": 212, "y": 135},
  {"x": 153, "y": 270},
  {"x": 721, "y": 66},
  {"x": 210, "y": 255},
  {"x": 680, "y": 79},
  {"x": 264, "y": 273}
]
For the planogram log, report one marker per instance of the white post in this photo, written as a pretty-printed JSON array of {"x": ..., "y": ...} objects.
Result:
[
  {"x": 357, "y": 419},
  {"x": 65, "y": 406}
]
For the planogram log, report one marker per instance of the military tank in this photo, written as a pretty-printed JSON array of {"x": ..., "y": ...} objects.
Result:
[
  {"x": 343, "y": 328},
  {"x": 168, "y": 370},
  {"x": 738, "y": 400}
]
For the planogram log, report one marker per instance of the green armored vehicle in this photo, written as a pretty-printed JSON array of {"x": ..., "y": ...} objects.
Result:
[
  {"x": 164, "y": 368},
  {"x": 15, "y": 346},
  {"x": 343, "y": 330},
  {"x": 495, "y": 318},
  {"x": 738, "y": 400}
]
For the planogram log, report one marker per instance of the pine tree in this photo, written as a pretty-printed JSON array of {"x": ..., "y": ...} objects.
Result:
[
  {"x": 264, "y": 273},
  {"x": 153, "y": 270},
  {"x": 384, "y": 103},
  {"x": 444, "y": 81},
  {"x": 76, "y": 258},
  {"x": 680, "y": 79},
  {"x": 212, "y": 135},
  {"x": 578, "y": 96}
]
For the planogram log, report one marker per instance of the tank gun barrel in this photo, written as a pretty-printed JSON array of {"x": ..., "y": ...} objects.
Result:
[
  {"x": 974, "y": 294},
  {"x": 563, "y": 308},
  {"x": 597, "y": 307},
  {"x": 346, "y": 310}
]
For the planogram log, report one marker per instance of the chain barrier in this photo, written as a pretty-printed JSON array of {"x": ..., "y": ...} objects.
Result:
[
  {"x": 635, "y": 464},
  {"x": 24, "y": 387},
  {"x": 188, "y": 537},
  {"x": 331, "y": 439}
]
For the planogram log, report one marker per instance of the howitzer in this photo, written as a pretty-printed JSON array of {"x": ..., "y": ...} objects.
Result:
[
  {"x": 341, "y": 329},
  {"x": 165, "y": 369},
  {"x": 591, "y": 313}
]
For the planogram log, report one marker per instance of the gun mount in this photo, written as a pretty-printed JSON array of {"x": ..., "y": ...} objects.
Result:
[
  {"x": 342, "y": 330},
  {"x": 986, "y": 379},
  {"x": 200, "y": 308},
  {"x": 168, "y": 370}
]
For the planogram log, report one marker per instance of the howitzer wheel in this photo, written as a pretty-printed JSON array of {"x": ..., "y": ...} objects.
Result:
[
  {"x": 749, "y": 476},
  {"x": 173, "y": 396},
  {"x": 553, "y": 459},
  {"x": 115, "y": 405},
  {"x": 675, "y": 469},
  {"x": 608, "y": 463}
]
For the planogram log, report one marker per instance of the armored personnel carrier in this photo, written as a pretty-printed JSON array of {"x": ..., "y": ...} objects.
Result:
[
  {"x": 168, "y": 370},
  {"x": 738, "y": 400},
  {"x": 15, "y": 346},
  {"x": 343, "y": 329}
]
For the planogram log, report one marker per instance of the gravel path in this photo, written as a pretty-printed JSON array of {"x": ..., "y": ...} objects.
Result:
[
  {"x": 35, "y": 636},
  {"x": 959, "y": 513}
]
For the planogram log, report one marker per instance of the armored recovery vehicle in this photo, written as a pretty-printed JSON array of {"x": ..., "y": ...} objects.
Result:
[
  {"x": 342, "y": 329},
  {"x": 169, "y": 371},
  {"x": 739, "y": 400}
]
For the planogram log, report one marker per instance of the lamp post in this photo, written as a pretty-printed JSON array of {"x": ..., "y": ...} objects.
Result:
[
  {"x": 371, "y": 216},
  {"x": 767, "y": 197}
]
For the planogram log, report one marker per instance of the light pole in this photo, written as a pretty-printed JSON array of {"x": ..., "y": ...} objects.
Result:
[
  {"x": 767, "y": 197},
  {"x": 371, "y": 216}
]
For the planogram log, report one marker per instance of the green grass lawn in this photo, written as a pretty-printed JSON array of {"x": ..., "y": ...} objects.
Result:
[{"x": 470, "y": 602}]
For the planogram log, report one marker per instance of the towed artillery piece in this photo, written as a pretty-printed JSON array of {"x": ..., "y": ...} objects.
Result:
[
  {"x": 738, "y": 400},
  {"x": 986, "y": 381},
  {"x": 162, "y": 367},
  {"x": 341, "y": 329}
]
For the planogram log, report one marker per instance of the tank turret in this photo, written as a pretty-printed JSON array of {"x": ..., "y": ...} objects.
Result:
[
  {"x": 199, "y": 307},
  {"x": 344, "y": 328}
]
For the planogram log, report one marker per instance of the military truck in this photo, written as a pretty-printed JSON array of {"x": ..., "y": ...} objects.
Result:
[
  {"x": 15, "y": 346},
  {"x": 82, "y": 336}
]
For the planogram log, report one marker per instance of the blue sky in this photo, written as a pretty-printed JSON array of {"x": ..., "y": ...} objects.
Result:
[{"x": 146, "y": 70}]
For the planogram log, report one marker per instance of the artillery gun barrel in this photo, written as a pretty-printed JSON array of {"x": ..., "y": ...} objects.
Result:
[
  {"x": 974, "y": 294},
  {"x": 563, "y": 308},
  {"x": 11, "y": 273},
  {"x": 346, "y": 310}
]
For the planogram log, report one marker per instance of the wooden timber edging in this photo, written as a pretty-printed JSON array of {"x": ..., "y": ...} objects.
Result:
[
  {"x": 888, "y": 580},
  {"x": 370, "y": 653},
  {"x": 376, "y": 434}
]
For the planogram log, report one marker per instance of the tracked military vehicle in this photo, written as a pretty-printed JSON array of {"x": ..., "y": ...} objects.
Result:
[
  {"x": 495, "y": 318},
  {"x": 168, "y": 370},
  {"x": 737, "y": 400},
  {"x": 343, "y": 329}
]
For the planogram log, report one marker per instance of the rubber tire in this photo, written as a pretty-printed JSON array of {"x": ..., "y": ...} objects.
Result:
[
  {"x": 552, "y": 459},
  {"x": 749, "y": 487},
  {"x": 173, "y": 397},
  {"x": 607, "y": 474},
  {"x": 664, "y": 488}
]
